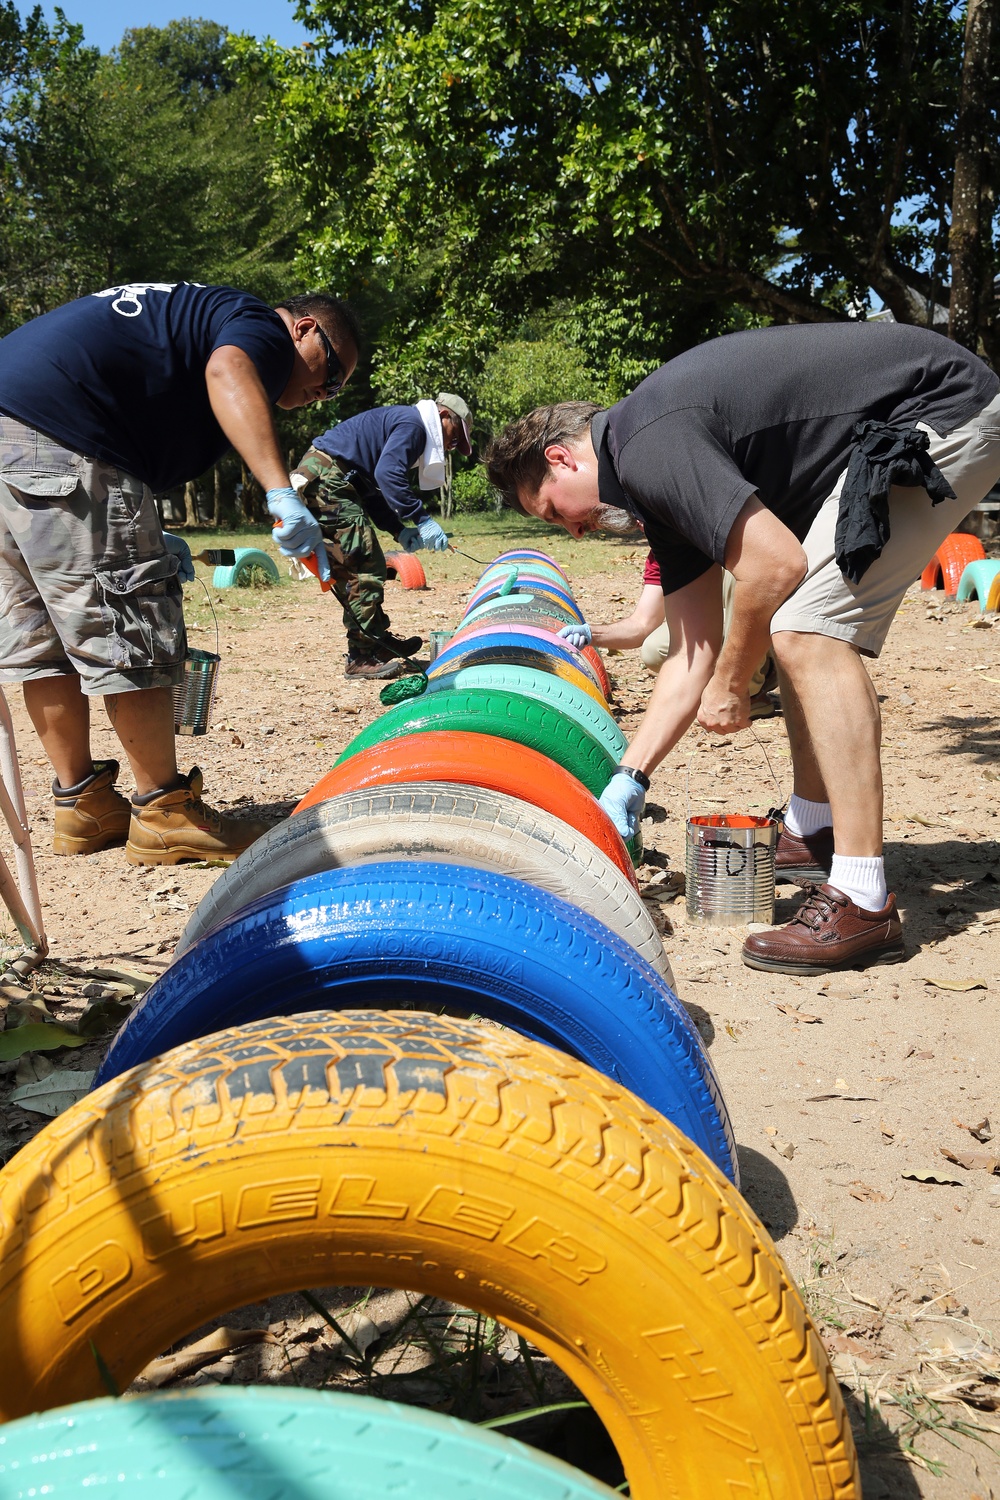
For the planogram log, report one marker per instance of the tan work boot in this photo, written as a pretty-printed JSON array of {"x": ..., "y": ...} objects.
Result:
[
  {"x": 91, "y": 815},
  {"x": 174, "y": 824}
]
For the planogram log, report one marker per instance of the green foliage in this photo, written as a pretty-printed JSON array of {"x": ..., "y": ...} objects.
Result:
[
  {"x": 697, "y": 167},
  {"x": 522, "y": 375},
  {"x": 145, "y": 164},
  {"x": 471, "y": 491}
]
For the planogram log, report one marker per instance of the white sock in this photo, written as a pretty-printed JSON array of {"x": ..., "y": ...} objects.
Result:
[
  {"x": 805, "y": 817},
  {"x": 860, "y": 880}
]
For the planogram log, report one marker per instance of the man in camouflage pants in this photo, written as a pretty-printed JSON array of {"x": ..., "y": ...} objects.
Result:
[{"x": 354, "y": 477}]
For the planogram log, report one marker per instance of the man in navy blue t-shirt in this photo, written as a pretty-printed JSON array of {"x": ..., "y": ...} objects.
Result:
[
  {"x": 134, "y": 389},
  {"x": 356, "y": 477}
]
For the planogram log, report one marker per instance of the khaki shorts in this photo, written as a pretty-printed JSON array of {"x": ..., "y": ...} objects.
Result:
[
  {"x": 656, "y": 647},
  {"x": 87, "y": 586},
  {"x": 826, "y": 603}
]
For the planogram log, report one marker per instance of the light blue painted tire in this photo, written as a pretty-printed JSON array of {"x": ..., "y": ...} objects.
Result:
[
  {"x": 976, "y": 581},
  {"x": 559, "y": 694},
  {"x": 246, "y": 558},
  {"x": 265, "y": 1443},
  {"x": 518, "y": 555}
]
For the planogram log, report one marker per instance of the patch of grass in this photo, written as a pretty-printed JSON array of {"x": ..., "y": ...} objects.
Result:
[{"x": 921, "y": 1417}]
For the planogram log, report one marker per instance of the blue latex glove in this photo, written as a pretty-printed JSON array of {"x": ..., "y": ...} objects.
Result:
[
  {"x": 623, "y": 800},
  {"x": 432, "y": 535},
  {"x": 298, "y": 532},
  {"x": 410, "y": 539},
  {"x": 579, "y": 634},
  {"x": 180, "y": 549}
]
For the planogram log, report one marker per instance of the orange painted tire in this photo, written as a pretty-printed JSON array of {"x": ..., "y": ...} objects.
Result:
[
  {"x": 594, "y": 657},
  {"x": 949, "y": 562},
  {"x": 483, "y": 760},
  {"x": 407, "y": 568}
]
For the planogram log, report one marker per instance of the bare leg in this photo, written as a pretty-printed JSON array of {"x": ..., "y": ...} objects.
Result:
[
  {"x": 808, "y": 780},
  {"x": 144, "y": 722},
  {"x": 837, "y": 707},
  {"x": 61, "y": 716}
]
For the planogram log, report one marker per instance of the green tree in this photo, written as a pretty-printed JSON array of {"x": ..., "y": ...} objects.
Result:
[{"x": 722, "y": 160}]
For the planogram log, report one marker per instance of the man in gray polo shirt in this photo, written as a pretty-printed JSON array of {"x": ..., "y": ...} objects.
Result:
[{"x": 822, "y": 466}]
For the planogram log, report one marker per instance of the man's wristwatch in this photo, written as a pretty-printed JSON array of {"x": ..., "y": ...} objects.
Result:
[{"x": 639, "y": 777}]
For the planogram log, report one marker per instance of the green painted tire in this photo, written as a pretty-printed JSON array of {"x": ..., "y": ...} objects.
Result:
[
  {"x": 261, "y": 1443},
  {"x": 247, "y": 558},
  {"x": 560, "y": 694},
  {"x": 510, "y": 716}
]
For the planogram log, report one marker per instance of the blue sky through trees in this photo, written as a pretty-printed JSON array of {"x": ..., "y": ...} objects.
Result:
[{"x": 104, "y": 21}]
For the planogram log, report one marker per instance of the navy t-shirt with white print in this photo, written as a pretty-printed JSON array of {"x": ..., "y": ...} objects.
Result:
[{"x": 120, "y": 375}]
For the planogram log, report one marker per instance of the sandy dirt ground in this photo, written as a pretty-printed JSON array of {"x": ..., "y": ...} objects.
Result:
[{"x": 846, "y": 1093}]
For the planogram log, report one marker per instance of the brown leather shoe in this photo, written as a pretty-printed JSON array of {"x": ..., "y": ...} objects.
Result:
[
  {"x": 173, "y": 825},
  {"x": 828, "y": 932},
  {"x": 92, "y": 815},
  {"x": 804, "y": 860}
]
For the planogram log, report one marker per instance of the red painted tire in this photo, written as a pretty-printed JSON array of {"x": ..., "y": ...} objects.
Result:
[
  {"x": 483, "y": 760},
  {"x": 407, "y": 568},
  {"x": 949, "y": 562}
]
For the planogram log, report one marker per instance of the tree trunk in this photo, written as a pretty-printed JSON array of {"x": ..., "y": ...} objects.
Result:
[
  {"x": 190, "y": 504},
  {"x": 971, "y": 206},
  {"x": 216, "y": 496}
]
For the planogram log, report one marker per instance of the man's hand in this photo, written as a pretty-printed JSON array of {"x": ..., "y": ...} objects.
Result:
[
  {"x": 577, "y": 634},
  {"x": 410, "y": 539},
  {"x": 180, "y": 549},
  {"x": 297, "y": 532},
  {"x": 623, "y": 800},
  {"x": 723, "y": 711},
  {"x": 432, "y": 535}
]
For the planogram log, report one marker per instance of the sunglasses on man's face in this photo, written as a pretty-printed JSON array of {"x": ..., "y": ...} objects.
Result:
[{"x": 336, "y": 375}]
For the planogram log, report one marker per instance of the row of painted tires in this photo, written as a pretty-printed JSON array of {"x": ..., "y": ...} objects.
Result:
[{"x": 405, "y": 1149}]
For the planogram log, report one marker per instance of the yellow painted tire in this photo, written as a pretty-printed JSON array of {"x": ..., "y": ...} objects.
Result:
[{"x": 444, "y": 1156}]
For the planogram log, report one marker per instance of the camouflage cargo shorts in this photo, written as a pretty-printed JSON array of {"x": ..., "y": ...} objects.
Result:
[{"x": 87, "y": 586}]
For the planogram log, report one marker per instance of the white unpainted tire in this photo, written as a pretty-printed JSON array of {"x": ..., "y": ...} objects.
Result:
[{"x": 437, "y": 821}]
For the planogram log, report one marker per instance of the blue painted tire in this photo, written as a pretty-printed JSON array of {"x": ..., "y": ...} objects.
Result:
[
  {"x": 261, "y": 1443},
  {"x": 546, "y": 688},
  {"x": 976, "y": 581},
  {"x": 246, "y": 558},
  {"x": 425, "y": 935},
  {"x": 456, "y": 653}
]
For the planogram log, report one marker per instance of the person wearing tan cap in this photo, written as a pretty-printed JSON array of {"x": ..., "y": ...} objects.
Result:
[{"x": 356, "y": 477}]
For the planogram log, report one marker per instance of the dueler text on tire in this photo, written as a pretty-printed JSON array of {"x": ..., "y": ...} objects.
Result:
[
  {"x": 407, "y": 567},
  {"x": 510, "y": 715},
  {"x": 442, "y": 1156},
  {"x": 547, "y": 687},
  {"x": 481, "y": 760},
  {"x": 442, "y": 822},
  {"x": 260, "y": 1443},
  {"x": 429, "y": 936}
]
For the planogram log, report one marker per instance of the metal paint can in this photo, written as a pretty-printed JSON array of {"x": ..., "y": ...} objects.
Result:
[
  {"x": 730, "y": 869},
  {"x": 437, "y": 640},
  {"x": 195, "y": 693}
]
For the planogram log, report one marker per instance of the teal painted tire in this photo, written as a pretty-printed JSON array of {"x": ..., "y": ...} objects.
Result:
[
  {"x": 247, "y": 558},
  {"x": 524, "y": 603},
  {"x": 518, "y": 555},
  {"x": 977, "y": 580},
  {"x": 509, "y": 716},
  {"x": 535, "y": 588},
  {"x": 559, "y": 694},
  {"x": 265, "y": 1443},
  {"x": 527, "y": 573}
]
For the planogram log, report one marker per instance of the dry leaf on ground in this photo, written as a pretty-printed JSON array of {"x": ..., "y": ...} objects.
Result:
[
  {"x": 798, "y": 1015},
  {"x": 51, "y": 1095},
  {"x": 973, "y": 1161},
  {"x": 931, "y": 1174},
  {"x": 955, "y": 984},
  {"x": 205, "y": 1352}
]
